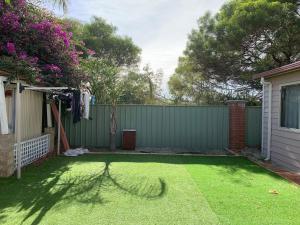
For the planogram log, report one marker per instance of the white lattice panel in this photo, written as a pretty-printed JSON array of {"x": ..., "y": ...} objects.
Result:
[{"x": 33, "y": 149}]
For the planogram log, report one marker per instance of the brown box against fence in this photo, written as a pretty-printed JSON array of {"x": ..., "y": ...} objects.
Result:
[{"x": 128, "y": 139}]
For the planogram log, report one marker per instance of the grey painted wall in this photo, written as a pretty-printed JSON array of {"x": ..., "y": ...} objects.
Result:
[{"x": 285, "y": 143}]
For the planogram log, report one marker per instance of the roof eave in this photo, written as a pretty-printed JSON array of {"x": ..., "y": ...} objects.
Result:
[
  {"x": 279, "y": 71},
  {"x": 261, "y": 75}
]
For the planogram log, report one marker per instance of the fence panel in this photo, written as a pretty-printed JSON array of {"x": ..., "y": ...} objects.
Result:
[
  {"x": 253, "y": 126},
  {"x": 194, "y": 128}
]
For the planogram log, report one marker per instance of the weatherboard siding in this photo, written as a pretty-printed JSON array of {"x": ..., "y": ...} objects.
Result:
[{"x": 285, "y": 144}]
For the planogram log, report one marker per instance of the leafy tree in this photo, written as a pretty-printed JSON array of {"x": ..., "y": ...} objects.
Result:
[
  {"x": 245, "y": 37},
  {"x": 187, "y": 86},
  {"x": 141, "y": 87},
  {"x": 113, "y": 85},
  {"x": 135, "y": 88},
  {"x": 103, "y": 39},
  {"x": 105, "y": 85},
  {"x": 153, "y": 79},
  {"x": 106, "y": 58},
  {"x": 104, "y": 80},
  {"x": 99, "y": 39}
]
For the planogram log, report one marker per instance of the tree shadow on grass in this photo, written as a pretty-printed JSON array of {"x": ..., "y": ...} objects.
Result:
[{"x": 39, "y": 191}]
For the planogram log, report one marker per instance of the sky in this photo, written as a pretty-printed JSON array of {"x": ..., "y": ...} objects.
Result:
[{"x": 159, "y": 27}]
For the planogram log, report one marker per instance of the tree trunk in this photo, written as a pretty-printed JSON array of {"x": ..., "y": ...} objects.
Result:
[{"x": 113, "y": 127}]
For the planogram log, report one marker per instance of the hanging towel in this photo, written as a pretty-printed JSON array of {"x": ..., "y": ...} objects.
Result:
[
  {"x": 86, "y": 100},
  {"x": 3, "y": 112}
]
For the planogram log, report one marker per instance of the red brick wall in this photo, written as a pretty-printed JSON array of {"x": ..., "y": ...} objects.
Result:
[{"x": 237, "y": 125}]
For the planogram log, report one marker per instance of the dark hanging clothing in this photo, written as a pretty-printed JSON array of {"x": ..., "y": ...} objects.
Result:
[
  {"x": 44, "y": 113},
  {"x": 67, "y": 99},
  {"x": 76, "y": 106}
]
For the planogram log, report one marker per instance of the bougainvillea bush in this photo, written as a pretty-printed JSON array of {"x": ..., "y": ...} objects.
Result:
[{"x": 36, "y": 46}]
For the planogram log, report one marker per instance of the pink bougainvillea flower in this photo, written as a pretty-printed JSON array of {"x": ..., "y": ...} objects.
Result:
[
  {"x": 67, "y": 42},
  {"x": 23, "y": 55},
  {"x": 74, "y": 57},
  {"x": 21, "y": 3},
  {"x": 91, "y": 52},
  {"x": 52, "y": 68},
  {"x": 10, "y": 47},
  {"x": 38, "y": 79},
  {"x": 10, "y": 21},
  {"x": 34, "y": 60},
  {"x": 61, "y": 34},
  {"x": 57, "y": 75},
  {"x": 35, "y": 37},
  {"x": 42, "y": 26}
]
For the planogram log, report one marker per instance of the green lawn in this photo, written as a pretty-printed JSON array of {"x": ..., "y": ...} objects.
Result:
[{"x": 144, "y": 189}]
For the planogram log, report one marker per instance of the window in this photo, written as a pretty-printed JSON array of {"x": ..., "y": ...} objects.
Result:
[{"x": 290, "y": 106}]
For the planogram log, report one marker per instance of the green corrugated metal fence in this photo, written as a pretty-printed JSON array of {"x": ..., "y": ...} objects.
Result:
[
  {"x": 194, "y": 128},
  {"x": 253, "y": 126}
]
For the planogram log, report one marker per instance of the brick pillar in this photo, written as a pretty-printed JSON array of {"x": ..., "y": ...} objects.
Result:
[
  {"x": 51, "y": 131},
  {"x": 237, "y": 125},
  {"x": 7, "y": 161}
]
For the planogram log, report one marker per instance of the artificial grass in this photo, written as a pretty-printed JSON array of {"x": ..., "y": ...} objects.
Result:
[
  {"x": 147, "y": 189},
  {"x": 240, "y": 192}
]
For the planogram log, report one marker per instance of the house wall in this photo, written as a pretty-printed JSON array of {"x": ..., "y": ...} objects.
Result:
[{"x": 285, "y": 143}]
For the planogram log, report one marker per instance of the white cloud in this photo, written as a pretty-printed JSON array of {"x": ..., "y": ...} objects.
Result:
[{"x": 159, "y": 27}]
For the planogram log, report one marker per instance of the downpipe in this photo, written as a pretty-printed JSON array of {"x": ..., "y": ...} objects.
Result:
[{"x": 263, "y": 82}]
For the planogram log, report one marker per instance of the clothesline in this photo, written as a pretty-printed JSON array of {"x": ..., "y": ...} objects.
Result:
[{"x": 78, "y": 102}]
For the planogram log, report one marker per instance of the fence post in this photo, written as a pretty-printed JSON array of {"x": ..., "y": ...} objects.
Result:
[{"x": 237, "y": 125}]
